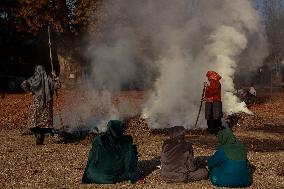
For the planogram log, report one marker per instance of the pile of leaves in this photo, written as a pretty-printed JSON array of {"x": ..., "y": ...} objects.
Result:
[{"x": 61, "y": 165}]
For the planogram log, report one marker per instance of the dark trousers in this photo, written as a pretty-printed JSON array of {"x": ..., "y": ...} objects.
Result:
[{"x": 214, "y": 125}]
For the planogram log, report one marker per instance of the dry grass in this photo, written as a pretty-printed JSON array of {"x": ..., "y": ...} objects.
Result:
[{"x": 54, "y": 165}]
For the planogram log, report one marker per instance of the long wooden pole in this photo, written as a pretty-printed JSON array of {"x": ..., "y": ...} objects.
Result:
[
  {"x": 200, "y": 106},
  {"x": 50, "y": 52}
]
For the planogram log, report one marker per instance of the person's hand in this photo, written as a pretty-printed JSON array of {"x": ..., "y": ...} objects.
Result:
[
  {"x": 204, "y": 99},
  {"x": 26, "y": 86},
  {"x": 53, "y": 74},
  {"x": 205, "y": 84}
]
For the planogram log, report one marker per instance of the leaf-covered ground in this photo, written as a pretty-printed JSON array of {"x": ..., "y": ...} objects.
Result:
[{"x": 60, "y": 165}]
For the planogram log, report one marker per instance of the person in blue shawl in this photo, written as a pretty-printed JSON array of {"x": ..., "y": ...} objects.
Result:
[
  {"x": 228, "y": 167},
  {"x": 112, "y": 158}
]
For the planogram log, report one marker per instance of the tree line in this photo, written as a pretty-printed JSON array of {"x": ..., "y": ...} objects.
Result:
[{"x": 24, "y": 38}]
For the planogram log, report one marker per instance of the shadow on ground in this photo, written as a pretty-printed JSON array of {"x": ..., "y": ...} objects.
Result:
[
  {"x": 201, "y": 161},
  {"x": 76, "y": 137},
  {"x": 269, "y": 128},
  {"x": 263, "y": 145},
  {"x": 146, "y": 167},
  {"x": 253, "y": 143}
]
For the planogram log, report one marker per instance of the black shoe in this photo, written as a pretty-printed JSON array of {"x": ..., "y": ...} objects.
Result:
[
  {"x": 39, "y": 138},
  {"x": 210, "y": 131}
]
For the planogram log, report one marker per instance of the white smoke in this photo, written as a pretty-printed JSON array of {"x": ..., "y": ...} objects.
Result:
[
  {"x": 171, "y": 45},
  {"x": 90, "y": 110},
  {"x": 227, "y": 44}
]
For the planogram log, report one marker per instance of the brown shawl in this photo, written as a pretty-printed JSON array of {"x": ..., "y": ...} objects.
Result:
[{"x": 177, "y": 156}]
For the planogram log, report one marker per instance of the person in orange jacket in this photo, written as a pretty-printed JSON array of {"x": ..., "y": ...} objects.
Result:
[{"x": 213, "y": 105}]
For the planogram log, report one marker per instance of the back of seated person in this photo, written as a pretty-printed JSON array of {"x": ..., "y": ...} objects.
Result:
[
  {"x": 177, "y": 159},
  {"x": 228, "y": 166},
  {"x": 113, "y": 157}
]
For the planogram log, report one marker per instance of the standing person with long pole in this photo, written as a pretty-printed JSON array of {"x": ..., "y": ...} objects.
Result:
[
  {"x": 40, "y": 118},
  {"x": 213, "y": 105},
  {"x": 42, "y": 86}
]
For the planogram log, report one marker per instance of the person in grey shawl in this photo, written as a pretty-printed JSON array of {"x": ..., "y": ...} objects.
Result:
[
  {"x": 40, "y": 118},
  {"x": 177, "y": 160}
]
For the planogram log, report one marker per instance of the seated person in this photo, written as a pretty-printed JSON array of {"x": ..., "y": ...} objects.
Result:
[
  {"x": 228, "y": 166},
  {"x": 177, "y": 159},
  {"x": 113, "y": 157}
]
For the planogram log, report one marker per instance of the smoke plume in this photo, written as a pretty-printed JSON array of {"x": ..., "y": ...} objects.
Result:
[
  {"x": 89, "y": 110},
  {"x": 168, "y": 46}
]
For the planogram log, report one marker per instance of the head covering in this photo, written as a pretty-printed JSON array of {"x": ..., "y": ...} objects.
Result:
[
  {"x": 40, "y": 85},
  {"x": 176, "y": 131},
  {"x": 115, "y": 128},
  {"x": 110, "y": 140},
  {"x": 233, "y": 148},
  {"x": 213, "y": 76}
]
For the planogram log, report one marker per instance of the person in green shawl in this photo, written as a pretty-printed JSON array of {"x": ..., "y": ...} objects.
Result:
[
  {"x": 112, "y": 158},
  {"x": 228, "y": 167}
]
